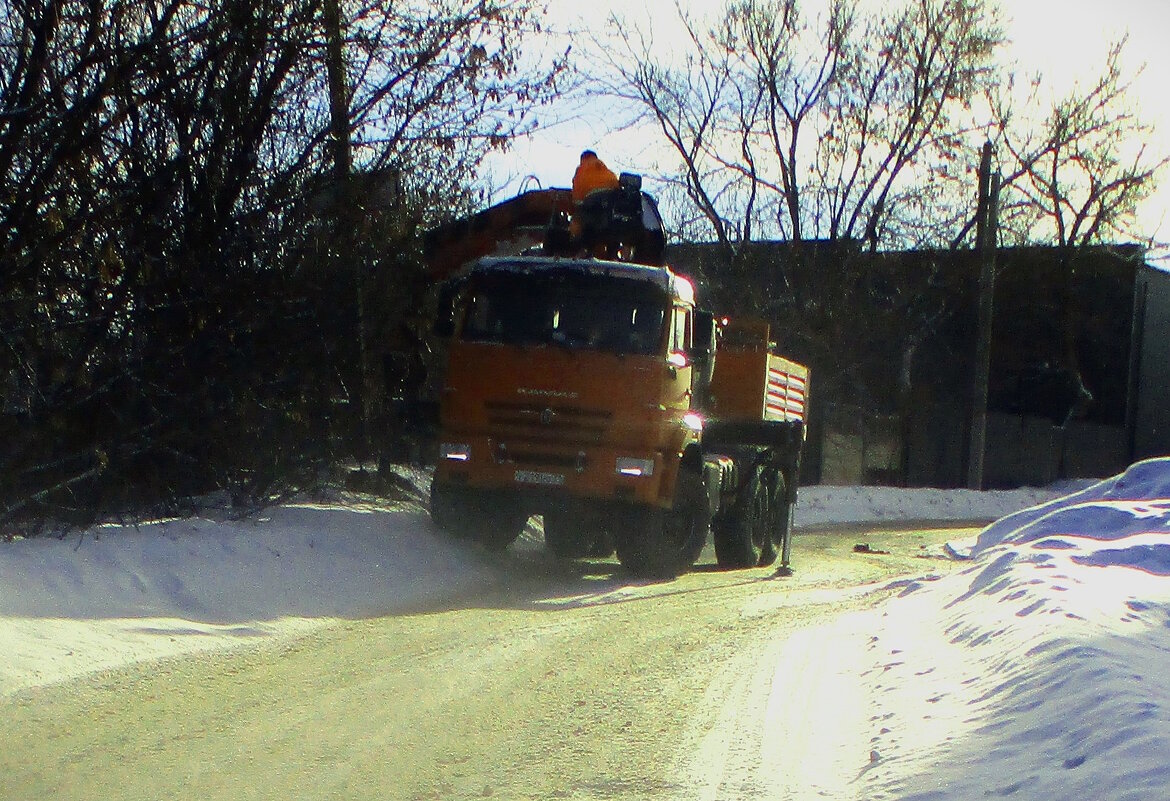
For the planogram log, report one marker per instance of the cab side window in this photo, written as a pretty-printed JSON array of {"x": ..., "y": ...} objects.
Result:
[{"x": 681, "y": 331}]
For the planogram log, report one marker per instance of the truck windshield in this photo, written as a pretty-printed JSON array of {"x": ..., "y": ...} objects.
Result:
[{"x": 616, "y": 315}]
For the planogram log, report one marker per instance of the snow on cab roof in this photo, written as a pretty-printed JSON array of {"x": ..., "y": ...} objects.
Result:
[{"x": 663, "y": 277}]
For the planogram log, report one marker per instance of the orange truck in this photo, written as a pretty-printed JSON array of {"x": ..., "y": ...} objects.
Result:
[{"x": 595, "y": 393}]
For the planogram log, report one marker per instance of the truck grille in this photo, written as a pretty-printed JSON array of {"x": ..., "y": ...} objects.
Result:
[{"x": 561, "y": 425}]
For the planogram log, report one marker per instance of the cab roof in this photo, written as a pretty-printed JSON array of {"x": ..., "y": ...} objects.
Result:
[{"x": 663, "y": 277}]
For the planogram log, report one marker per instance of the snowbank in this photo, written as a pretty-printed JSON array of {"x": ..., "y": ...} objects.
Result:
[
  {"x": 1039, "y": 670},
  {"x": 826, "y": 505},
  {"x": 116, "y": 594}
]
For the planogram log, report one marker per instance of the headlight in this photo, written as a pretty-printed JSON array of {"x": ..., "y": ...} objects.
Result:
[
  {"x": 629, "y": 466},
  {"x": 692, "y": 421},
  {"x": 456, "y": 452}
]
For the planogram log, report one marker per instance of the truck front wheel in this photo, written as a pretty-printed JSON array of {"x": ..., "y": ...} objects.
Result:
[
  {"x": 491, "y": 519},
  {"x": 570, "y": 536},
  {"x": 655, "y": 543}
]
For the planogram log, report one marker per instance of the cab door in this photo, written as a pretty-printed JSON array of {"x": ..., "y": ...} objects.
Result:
[{"x": 677, "y": 396}]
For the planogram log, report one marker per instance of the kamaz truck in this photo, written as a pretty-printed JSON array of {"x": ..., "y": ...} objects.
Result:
[{"x": 595, "y": 393}]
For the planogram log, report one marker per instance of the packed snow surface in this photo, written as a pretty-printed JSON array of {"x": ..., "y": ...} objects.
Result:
[{"x": 1036, "y": 671}]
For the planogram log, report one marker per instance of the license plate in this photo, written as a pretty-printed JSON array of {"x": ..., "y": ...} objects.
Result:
[{"x": 536, "y": 477}]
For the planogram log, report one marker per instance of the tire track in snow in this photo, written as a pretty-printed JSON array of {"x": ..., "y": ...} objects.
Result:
[{"x": 787, "y": 718}]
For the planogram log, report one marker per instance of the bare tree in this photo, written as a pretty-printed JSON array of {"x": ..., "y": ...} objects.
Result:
[
  {"x": 418, "y": 93},
  {"x": 691, "y": 99},
  {"x": 168, "y": 319},
  {"x": 793, "y": 65},
  {"x": 831, "y": 130},
  {"x": 1077, "y": 176},
  {"x": 823, "y": 127},
  {"x": 899, "y": 114},
  {"x": 1074, "y": 179}
]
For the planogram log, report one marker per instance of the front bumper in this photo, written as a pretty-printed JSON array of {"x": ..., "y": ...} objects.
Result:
[{"x": 533, "y": 472}]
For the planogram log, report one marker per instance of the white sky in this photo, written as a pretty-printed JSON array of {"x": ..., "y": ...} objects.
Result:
[{"x": 1067, "y": 40}]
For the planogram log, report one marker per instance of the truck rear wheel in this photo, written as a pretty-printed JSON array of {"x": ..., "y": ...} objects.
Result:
[
  {"x": 491, "y": 519},
  {"x": 744, "y": 536},
  {"x": 656, "y": 543}
]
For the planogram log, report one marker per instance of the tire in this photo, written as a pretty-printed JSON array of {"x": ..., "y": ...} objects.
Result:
[
  {"x": 738, "y": 532},
  {"x": 655, "y": 543},
  {"x": 568, "y": 536},
  {"x": 744, "y": 536},
  {"x": 490, "y": 519}
]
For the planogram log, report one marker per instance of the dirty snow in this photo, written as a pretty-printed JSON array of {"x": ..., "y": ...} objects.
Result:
[{"x": 1037, "y": 671}]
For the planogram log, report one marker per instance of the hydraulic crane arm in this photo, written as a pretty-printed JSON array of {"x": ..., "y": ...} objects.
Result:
[
  {"x": 621, "y": 224},
  {"x": 506, "y": 228}
]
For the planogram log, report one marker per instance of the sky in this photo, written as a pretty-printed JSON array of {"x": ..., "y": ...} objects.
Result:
[
  {"x": 1067, "y": 40},
  {"x": 1036, "y": 670}
]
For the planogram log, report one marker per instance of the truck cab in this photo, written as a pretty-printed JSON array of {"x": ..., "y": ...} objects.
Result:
[{"x": 568, "y": 394}]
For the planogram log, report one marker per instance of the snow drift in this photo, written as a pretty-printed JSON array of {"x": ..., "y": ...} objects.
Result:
[{"x": 1040, "y": 670}]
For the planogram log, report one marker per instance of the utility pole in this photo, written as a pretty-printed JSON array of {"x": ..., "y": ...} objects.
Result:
[{"x": 985, "y": 235}]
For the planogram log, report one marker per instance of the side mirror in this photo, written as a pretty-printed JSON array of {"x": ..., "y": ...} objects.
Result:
[{"x": 703, "y": 344}]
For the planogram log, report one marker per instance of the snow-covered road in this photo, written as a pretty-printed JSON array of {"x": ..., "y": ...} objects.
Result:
[
  {"x": 119, "y": 594},
  {"x": 561, "y": 681},
  {"x": 1034, "y": 670}
]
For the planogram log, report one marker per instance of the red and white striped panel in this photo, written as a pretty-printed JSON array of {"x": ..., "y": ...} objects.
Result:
[{"x": 785, "y": 397}]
